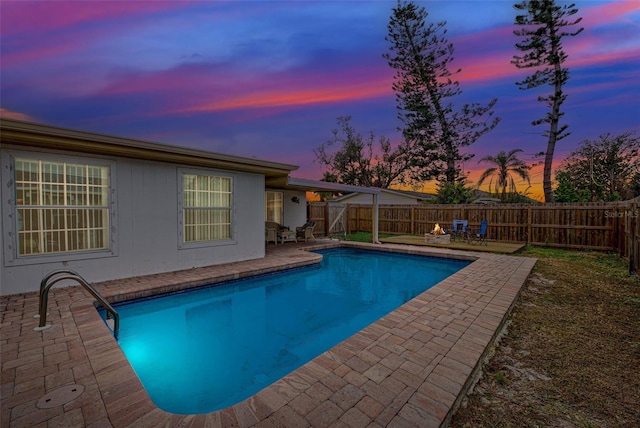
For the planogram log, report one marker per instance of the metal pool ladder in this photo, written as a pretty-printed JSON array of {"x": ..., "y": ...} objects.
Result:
[{"x": 63, "y": 274}]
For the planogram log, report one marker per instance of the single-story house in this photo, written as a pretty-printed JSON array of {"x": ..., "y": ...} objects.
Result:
[
  {"x": 386, "y": 197},
  {"x": 110, "y": 207},
  {"x": 486, "y": 201}
]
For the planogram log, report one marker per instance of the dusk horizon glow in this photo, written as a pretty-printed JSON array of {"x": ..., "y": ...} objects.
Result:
[{"x": 268, "y": 79}]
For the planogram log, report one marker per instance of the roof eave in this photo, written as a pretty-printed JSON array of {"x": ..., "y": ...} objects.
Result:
[
  {"x": 43, "y": 136},
  {"x": 303, "y": 184}
]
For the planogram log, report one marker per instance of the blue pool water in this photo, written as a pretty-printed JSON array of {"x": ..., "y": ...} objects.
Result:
[{"x": 209, "y": 348}]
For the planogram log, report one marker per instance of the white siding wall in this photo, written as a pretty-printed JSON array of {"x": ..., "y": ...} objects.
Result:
[
  {"x": 145, "y": 231},
  {"x": 295, "y": 214}
]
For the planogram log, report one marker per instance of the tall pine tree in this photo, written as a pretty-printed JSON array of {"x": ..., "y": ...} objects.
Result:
[
  {"x": 424, "y": 86},
  {"x": 543, "y": 26}
]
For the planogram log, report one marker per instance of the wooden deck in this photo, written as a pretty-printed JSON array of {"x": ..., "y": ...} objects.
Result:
[{"x": 491, "y": 247}]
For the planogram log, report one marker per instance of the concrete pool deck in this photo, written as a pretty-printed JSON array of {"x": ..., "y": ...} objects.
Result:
[{"x": 410, "y": 368}]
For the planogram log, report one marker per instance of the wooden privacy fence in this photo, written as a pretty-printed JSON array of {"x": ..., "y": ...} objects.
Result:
[{"x": 588, "y": 226}]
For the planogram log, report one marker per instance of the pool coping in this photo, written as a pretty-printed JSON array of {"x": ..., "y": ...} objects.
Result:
[{"x": 410, "y": 368}]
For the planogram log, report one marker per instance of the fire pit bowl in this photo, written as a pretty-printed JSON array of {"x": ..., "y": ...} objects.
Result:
[{"x": 437, "y": 239}]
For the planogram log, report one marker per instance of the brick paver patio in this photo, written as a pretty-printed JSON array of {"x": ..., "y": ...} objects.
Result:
[{"x": 410, "y": 368}]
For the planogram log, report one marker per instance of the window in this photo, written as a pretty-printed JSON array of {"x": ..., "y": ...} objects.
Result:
[
  {"x": 61, "y": 207},
  {"x": 273, "y": 206},
  {"x": 206, "y": 207}
]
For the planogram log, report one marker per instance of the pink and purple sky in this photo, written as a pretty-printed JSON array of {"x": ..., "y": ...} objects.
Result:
[{"x": 267, "y": 79}]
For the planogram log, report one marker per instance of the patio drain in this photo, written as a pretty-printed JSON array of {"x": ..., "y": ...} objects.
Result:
[{"x": 60, "y": 396}]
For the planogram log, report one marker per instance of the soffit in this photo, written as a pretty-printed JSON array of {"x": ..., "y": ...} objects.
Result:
[{"x": 304, "y": 185}]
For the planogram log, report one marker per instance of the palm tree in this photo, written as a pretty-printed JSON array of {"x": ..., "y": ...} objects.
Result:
[{"x": 506, "y": 165}]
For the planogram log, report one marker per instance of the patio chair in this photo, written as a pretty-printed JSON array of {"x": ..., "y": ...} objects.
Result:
[
  {"x": 479, "y": 236},
  {"x": 459, "y": 229},
  {"x": 272, "y": 231},
  {"x": 306, "y": 231},
  {"x": 270, "y": 235}
]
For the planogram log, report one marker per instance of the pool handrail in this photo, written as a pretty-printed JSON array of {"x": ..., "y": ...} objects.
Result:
[{"x": 50, "y": 280}]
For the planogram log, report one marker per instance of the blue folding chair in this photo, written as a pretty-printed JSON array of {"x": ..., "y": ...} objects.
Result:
[
  {"x": 479, "y": 236},
  {"x": 459, "y": 229}
]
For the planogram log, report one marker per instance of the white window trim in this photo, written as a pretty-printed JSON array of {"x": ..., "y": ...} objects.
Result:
[
  {"x": 10, "y": 214},
  {"x": 182, "y": 245}
]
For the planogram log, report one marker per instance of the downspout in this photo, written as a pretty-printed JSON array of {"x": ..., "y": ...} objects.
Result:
[{"x": 375, "y": 218}]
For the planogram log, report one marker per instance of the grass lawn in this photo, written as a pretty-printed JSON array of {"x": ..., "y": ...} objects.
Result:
[
  {"x": 364, "y": 236},
  {"x": 571, "y": 354}
]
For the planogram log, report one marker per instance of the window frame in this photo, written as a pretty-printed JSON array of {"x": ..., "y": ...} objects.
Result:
[
  {"x": 11, "y": 218},
  {"x": 182, "y": 243}
]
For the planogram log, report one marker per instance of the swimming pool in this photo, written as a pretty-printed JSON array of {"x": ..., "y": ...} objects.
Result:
[{"x": 203, "y": 350}]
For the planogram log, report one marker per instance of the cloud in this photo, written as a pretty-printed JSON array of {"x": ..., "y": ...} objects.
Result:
[
  {"x": 7, "y": 114},
  {"x": 608, "y": 13},
  {"x": 43, "y": 17},
  {"x": 297, "y": 91},
  {"x": 269, "y": 78}
]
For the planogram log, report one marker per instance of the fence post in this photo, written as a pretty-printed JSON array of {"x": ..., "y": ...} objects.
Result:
[
  {"x": 632, "y": 239},
  {"x": 413, "y": 217},
  {"x": 529, "y": 216},
  {"x": 616, "y": 232},
  {"x": 326, "y": 219}
]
